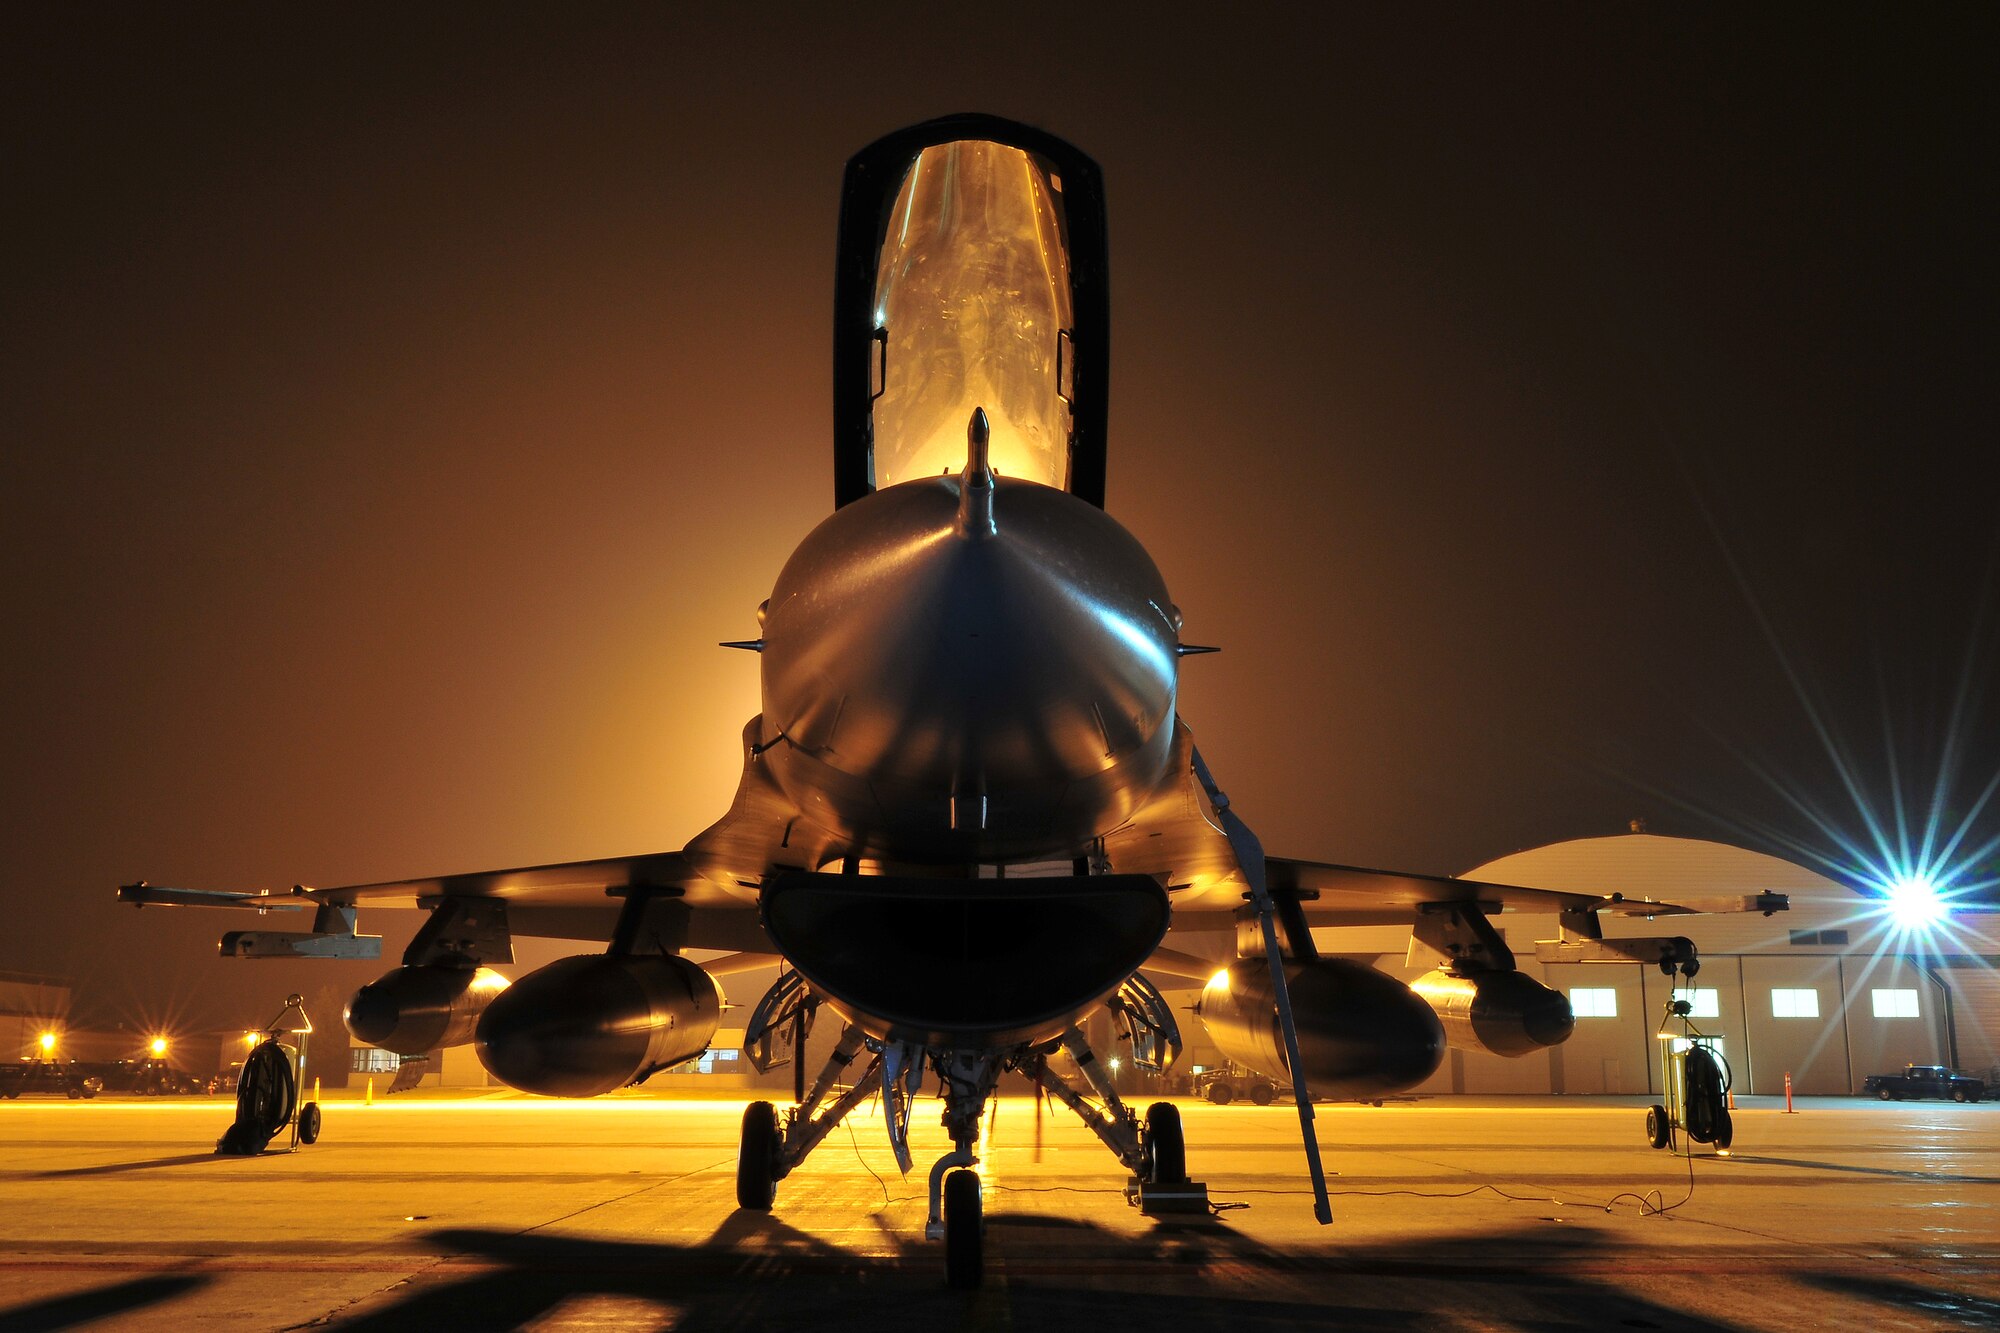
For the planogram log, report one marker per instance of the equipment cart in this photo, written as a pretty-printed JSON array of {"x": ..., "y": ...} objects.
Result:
[
  {"x": 1696, "y": 1079},
  {"x": 268, "y": 1091}
]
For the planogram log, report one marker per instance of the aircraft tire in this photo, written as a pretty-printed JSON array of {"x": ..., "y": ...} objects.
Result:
[
  {"x": 309, "y": 1123},
  {"x": 757, "y": 1157},
  {"x": 1262, "y": 1094},
  {"x": 1166, "y": 1147},
  {"x": 964, "y": 1241},
  {"x": 1659, "y": 1130}
]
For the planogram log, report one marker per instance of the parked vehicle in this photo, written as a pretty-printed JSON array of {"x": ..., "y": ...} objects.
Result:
[
  {"x": 149, "y": 1078},
  {"x": 1924, "y": 1081},
  {"x": 1223, "y": 1084},
  {"x": 64, "y": 1077}
]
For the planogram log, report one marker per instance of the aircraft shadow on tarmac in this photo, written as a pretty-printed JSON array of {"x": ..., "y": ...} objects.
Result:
[
  {"x": 87, "y": 1307},
  {"x": 757, "y": 1271},
  {"x": 1044, "y": 1271}
]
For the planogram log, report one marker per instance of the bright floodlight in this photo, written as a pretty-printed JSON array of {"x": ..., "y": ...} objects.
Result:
[
  {"x": 159, "y": 1046},
  {"x": 48, "y": 1042},
  {"x": 1914, "y": 902}
]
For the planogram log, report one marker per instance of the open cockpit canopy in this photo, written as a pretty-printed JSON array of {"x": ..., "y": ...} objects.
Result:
[{"x": 971, "y": 274}]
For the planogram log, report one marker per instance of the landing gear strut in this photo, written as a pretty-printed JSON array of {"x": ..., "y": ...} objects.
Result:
[{"x": 774, "y": 1143}]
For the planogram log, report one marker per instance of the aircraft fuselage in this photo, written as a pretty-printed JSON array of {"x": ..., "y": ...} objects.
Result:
[{"x": 941, "y": 688}]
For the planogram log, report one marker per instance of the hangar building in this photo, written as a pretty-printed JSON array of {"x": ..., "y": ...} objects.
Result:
[{"x": 1826, "y": 993}]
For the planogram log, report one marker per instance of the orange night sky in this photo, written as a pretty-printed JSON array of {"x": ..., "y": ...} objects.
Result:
[{"x": 1550, "y": 413}]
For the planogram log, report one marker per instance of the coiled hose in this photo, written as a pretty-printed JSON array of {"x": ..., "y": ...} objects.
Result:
[
  {"x": 1706, "y": 1080},
  {"x": 266, "y": 1094}
]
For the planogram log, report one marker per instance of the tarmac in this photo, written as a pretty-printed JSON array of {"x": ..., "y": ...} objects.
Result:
[{"x": 508, "y": 1212}]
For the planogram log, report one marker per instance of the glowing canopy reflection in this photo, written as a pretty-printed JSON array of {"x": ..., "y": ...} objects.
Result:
[{"x": 973, "y": 309}]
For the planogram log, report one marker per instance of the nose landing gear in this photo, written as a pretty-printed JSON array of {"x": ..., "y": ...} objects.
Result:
[{"x": 772, "y": 1145}]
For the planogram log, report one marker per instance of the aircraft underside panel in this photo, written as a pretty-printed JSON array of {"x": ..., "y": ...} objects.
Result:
[{"x": 965, "y": 963}]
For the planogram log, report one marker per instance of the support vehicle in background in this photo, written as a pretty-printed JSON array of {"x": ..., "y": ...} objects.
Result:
[
  {"x": 1924, "y": 1081},
  {"x": 1223, "y": 1084},
  {"x": 147, "y": 1078},
  {"x": 64, "y": 1078}
]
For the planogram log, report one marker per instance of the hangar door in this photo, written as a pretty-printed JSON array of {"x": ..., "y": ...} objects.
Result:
[{"x": 1975, "y": 1017}]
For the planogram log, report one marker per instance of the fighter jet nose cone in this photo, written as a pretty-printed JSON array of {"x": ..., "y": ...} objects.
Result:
[
  {"x": 979, "y": 430},
  {"x": 372, "y": 1015}
]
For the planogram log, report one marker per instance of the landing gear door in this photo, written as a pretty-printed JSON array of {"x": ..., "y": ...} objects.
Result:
[{"x": 971, "y": 274}]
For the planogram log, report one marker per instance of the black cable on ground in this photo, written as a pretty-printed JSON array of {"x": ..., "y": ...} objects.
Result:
[
  {"x": 864, "y": 1161},
  {"x": 266, "y": 1094}
]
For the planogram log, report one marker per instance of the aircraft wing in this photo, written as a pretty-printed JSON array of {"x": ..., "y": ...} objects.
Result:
[
  {"x": 563, "y": 884},
  {"x": 1178, "y": 836},
  {"x": 1351, "y": 895},
  {"x": 567, "y": 900}
]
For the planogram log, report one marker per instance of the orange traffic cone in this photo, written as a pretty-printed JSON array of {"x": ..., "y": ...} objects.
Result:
[
  {"x": 368, "y": 1099},
  {"x": 315, "y": 1089}
]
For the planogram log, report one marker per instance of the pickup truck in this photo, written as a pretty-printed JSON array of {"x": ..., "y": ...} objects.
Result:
[
  {"x": 66, "y": 1077},
  {"x": 1924, "y": 1081}
]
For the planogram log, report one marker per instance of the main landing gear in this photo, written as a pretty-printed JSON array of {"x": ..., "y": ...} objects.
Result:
[{"x": 774, "y": 1144}]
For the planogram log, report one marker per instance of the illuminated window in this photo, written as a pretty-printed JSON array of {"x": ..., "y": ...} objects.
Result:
[
  {"x": 1593, "y": 1002},
  {"x": 707, "y": 1061},
  {"x": 1895, "y": 1003},
  {"x": 1795, "y": 1003},
  {"x": 368, "y": 1060},
  {"x": 1707, "y": 1003},
  {"x": 1710, "y": 1044}
]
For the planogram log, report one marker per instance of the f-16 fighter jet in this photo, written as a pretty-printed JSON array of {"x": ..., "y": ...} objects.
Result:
[{"x": 970, "y": 816}]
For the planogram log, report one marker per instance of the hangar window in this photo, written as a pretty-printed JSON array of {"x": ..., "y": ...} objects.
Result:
[
  {"x": 1795, "y": 1003},
  {"x": 713, "y": 1062},
  {"x": 1711, "y": 1044},
  {"x": 1593, "y": 1002},
  {"x": 1706, "y": 1000},
  {"x": 1894, "y": 1003},
  {"x": 368, "y": 1060}
]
